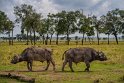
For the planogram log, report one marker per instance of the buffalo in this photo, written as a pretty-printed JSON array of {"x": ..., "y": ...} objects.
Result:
[
  {"x": 33, "y": 53},
  {"x": 86, "y": 55}
]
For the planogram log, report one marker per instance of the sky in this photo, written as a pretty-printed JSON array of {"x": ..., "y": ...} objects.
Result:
[{"x": 92, "y": 7}]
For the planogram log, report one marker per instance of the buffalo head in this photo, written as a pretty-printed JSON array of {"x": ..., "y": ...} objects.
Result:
[
  {"x": 15, "y": 59},
  {"x": 101, "y": 56}
]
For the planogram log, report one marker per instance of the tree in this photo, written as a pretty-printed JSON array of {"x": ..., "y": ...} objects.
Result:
[
  {"x": 42, "y": 30},
  {"x": 84, "y": 25},
  {"x": 90, "y": 33},
  {"x": 59, "y": 22},
  {"x": 97, "y": 24},
  {"x": 68, "y": 20},
  {"x": 8, "y": 27},
  {"x": 107, "y": 25},
  {"x": 76, "y": 39},
  {"x": 121, "y": 13},
  {"x": 3, "y": 19},
  {"x": 34, "y": 21},
  {"x": 45, "y": 27},
  {"x": 22, "y": 12},
  {"x": 28, "y": 18},
  {"x": 51, "y": 30},
  {"x": 49, "y": 24},
  {"x": 114, "y": 22}
]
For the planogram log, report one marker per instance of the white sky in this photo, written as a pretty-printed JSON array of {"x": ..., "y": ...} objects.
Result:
[{"x": 96, "y": 7}]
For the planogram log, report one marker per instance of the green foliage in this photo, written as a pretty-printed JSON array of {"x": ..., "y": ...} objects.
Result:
[
  {"x": 30, "y": 20},
  {"x": 2, "y": 21},
  {"x": 5, "y": 24}
]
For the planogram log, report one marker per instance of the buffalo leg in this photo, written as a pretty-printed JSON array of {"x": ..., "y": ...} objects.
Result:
[
  {"x": 29, "y": 66},
  {"x": 70, "y": 65},
  {"x": 87, "y": 65},
  {"x": 64, "y": 63},
  {"x": 48, "y": 63},
  {"x": 53, "y": 63}
]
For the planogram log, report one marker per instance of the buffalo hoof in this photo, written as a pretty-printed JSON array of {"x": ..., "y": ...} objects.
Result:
[
  {"x": 86, "y": 70},
  {"x": 62, "y": 70},
  {"x": 30, "y": 70},
  {"x": 54, "y": 69},
  {"x": 46, "y": 69},
  {"x": 72, "y": 71}
]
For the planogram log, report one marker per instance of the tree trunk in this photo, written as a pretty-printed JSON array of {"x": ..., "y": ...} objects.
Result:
[
  {"x": 83, "y": 39},
  {"x": 46, "y": 41},
  {"x": 57, "y": 39},
  {"x": 12, "y": 36},
  {"x": 98, "y": 37},
  {"x": 51, "y": 38},
  {"x": 92, "y": 40},
  {"x": 77, "y": 42},
  {"x": 27, "y": 38},
  {"x": 68, "y": 39},
  {"x": 89, "y": 39},
  {"x": 108, "y": 39},
  {"x": 116, "y": 38},
  {"x": 34, "y": 37},
  {"x": 43, "y": 38},
  {"x": 9, "y": 39},
  {"x": 31, "y": 38}
]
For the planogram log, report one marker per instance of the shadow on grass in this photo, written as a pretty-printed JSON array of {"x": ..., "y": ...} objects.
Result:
[
  {"x": 67, "y": 71},
  {"x": 58, "y": 71},
  {"x": 24, "y": 71},
  {"x": 72, "y": 72}
]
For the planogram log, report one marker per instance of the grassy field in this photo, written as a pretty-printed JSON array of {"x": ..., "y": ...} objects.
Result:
[{"x": 110, "y": 71}]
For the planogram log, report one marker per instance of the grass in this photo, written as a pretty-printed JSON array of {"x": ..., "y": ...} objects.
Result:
[
  {"x": 6, "y": 80},
  {"x": 110, "y": 71}
]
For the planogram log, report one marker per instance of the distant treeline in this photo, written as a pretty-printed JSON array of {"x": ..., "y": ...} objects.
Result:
[{"x": 61, "y": 23}]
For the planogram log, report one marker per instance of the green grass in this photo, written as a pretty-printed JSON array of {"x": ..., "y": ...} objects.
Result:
[{"x": 110, "y": 71}]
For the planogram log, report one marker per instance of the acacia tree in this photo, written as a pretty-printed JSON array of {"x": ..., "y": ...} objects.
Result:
[
  {"x": 50, "y": 27},
  {"x": 68, "y": 22},
  {"x": 34, "y": 22},
  {"x": 114, "y": 21},
  {"x": 107, "y": 25},
  {"x": 97, "y": 24},
  {"x": 8, "y": 28},
  {"x": 84, "y": 24},
  {"x": 42, "y": 30},
  {"x": 51, "y": 30},
  {"x": 121, "y": 13},
  {"x": 28, "y": 18},
  {"x": 3, "y": 19},
  {"x": 45, "y": 28},
  {"x": 90, "y": 32},
  {"x": 21, "y": 14},
  {"x": 59, "y": 23}
]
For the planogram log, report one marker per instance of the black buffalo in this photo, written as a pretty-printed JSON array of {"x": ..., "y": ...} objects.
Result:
[
  {"x": 85, "y": 54},
  {"x": 31, "y": 54}
]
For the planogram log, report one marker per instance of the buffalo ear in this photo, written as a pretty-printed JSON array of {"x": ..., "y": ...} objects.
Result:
[
  {"x": 15, "y": 55},
  {"x": 98, "y": 53}
]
